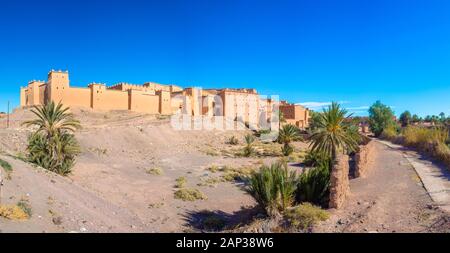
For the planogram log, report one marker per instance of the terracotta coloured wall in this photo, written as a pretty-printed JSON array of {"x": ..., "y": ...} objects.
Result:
[
  {"x": 164, "y": 102},
  {"x": 104, "y": 99},
  {"x": 77, "y": 97},
  {"x": 144, "y": 102}
]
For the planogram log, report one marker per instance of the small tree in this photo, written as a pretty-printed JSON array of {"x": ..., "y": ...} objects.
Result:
[
  {"x": 248, "y": 148},
  {"x": 415, "y": 118},
  {"x": 333, "y": 135},
  {"x": 380, "y": 117},
  {"x": 405, "y": 118},
  {"x": 288, "y": 134}
]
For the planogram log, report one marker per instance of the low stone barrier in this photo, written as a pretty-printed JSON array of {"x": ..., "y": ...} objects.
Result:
[
  {"x": 363, "y": 159},
  {"x": 339, "y": 181}
]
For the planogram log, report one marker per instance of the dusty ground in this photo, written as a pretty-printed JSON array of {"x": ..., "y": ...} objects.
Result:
[
  {"x": 111, "y": 176},
  {"x": 111, "y": 191},
  {"x": 390, "y": 199}
]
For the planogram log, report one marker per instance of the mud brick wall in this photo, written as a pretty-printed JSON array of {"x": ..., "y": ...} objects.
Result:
[
  {"x": 339, "y": 181},
  {"x": 363, "y": 159}
]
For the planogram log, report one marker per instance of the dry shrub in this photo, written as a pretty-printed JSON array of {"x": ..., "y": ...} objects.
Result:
[
  {"x": 13, "y": 212},
  {"x": 180, "y": 182},
  {"x": 190, "y": 195},
  {"x": 429, "y": 140},
  {"x": 390, "y": 133},
  {"x": 155, "y": 171},
  {"x": 305, "y": 216}
]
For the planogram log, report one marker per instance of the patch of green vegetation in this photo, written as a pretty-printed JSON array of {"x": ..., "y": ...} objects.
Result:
[
  {"x": 7, "y": 167},
  {"x": 180, "y": 182},
  {"x": 236, "y": 174},
  {"x": 305, "y": 216},
  {"x": 25, "y": 206},
  {"x": 190, "y": 195},
  {"x": 155, "y": 171},
  {"x": 211, "y": 181}
]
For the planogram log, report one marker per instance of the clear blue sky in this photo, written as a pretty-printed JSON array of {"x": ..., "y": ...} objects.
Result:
[{"x": 355, "y": 52}]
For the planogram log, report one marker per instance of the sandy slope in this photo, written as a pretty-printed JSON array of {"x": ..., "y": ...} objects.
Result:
[{"x": 109, "y": 189}]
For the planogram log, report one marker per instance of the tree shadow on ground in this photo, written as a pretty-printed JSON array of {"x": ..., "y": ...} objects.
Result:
[{"x": 217, "y": 220}]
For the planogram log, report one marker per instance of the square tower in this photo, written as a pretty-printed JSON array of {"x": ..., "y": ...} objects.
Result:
[{"x": 58, "y": 85}]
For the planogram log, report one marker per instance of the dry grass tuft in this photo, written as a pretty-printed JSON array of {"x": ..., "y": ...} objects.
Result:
[
  {"x": 190, "y": 195},
  {"x": 180, "y": 182},
  {"x": 155, "y": 171},
  {"x": 305, "y": 216},
  {"x": 13, "y": 212}
]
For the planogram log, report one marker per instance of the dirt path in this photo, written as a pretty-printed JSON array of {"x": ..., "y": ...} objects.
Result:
[
  {"x": 391, "y": 198},
  {"x": 435, "y": 177}
]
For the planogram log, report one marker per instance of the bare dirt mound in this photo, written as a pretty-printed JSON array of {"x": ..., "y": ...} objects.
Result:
[
  {"x": 111, "y": 188},
  {"x": 59, "y": 205}
]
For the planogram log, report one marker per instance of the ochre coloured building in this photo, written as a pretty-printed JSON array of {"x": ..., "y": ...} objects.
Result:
[
  {"x": 149, "y": 97},
  {"x": 153, "y": 98}
]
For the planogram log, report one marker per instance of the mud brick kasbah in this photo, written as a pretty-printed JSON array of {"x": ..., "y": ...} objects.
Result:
[{"x": 154, "y": 98}]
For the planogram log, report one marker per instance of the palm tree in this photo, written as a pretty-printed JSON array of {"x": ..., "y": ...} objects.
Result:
[
  {"x": 248, "y": 148},
  {"x": 288, "y": 133},
  {"x": 52, "y": 120},
  {"x": 53, "y": 146},
  {"x": 332, "y": 135}
]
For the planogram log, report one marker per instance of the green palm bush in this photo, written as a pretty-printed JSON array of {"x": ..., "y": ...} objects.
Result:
[
  {"x": 53, "y": 146},
  {"x": 288, "y": 133},
  {"x": 314, "y": 185},
  {"x": 333, "y": 135},
  {"x": 273, "y": 188},
  {"x": 316, "y": 159},
  {"x": 248, "y": 148}
]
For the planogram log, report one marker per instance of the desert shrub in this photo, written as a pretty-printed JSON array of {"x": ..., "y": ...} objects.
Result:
[
  {"x": 248, "y": 148},
  {"x": 390, "y": 133},
  {"x": 305, "y": 216},
  {"x": 237, "y": 173},
  {"x": 155, "y": 171},
  {"x": 7, "y": 167},
  {"x": 421, "y": 137},
  {"x": 180, "y": 182},
  {"x": 213, "y": 168},
  {"x": 273, "y": 188},
  {"x": 12, "y": 212},
  {"x": 190, "y": 195},
  {"x": 429, "y": 140},
  {"x": 233, "y": 140},
  {"x": 314, "y": 185},
  {"x": 210, "y": 181}
]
